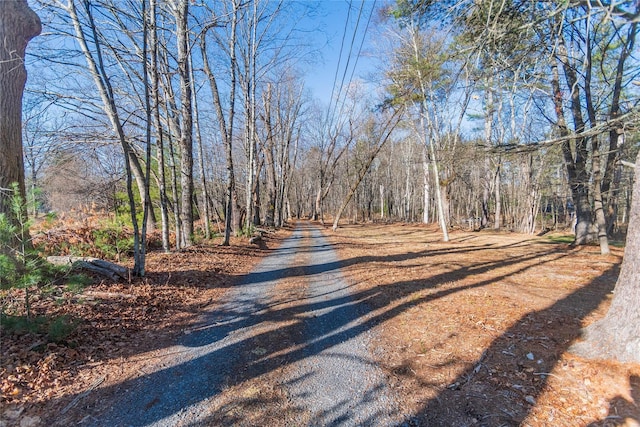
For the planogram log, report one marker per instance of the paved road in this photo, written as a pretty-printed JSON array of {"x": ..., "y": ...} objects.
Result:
[{"x": 330, "y": 373}]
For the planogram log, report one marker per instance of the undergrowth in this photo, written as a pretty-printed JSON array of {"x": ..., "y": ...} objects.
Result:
[
  {"x": 56, "y": 329},
  {"x": 24, "y": 271}
]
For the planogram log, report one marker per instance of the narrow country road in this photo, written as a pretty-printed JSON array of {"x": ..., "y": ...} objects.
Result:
[
  {"x": 338, "y": 382},
  {"x": 321, "y": 353}
]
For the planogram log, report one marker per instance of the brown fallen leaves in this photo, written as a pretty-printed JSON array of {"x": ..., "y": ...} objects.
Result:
[
  {"x": 475, "y": 331},
  {"x": 118, "y": 326},
  {"x": 470, "y": 332}
]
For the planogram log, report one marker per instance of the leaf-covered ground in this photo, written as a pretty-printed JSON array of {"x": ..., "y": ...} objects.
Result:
[
  {"x": 119, "y": 327},
  {"x": 476, "y": 330},
  {"x": 470, "y": 332}
]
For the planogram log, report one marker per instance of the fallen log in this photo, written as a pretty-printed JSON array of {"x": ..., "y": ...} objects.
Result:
[
  {"x": 100, "y": 266},
  {"x": 107, "y": 295}
]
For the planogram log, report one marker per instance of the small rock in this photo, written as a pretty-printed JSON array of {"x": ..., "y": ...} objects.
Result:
[
  {"x": 530, "y": 356},
  {"x": 531, "y": 400},
  {"x": 259, "y": 351}
]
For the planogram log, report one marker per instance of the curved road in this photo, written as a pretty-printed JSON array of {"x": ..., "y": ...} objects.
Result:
[{"x": 330, "y": 375}]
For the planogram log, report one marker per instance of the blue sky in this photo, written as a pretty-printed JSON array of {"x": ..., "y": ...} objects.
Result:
[{"x": 331, "y": 18}]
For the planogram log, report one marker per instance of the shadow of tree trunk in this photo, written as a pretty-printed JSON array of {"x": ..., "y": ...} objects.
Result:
[{"x": 486, "y": 393}]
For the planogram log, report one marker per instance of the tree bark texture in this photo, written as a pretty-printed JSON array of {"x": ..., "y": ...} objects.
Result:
[
  {"x": 155, "y": 90},
  {"x": 617, "y": 335},
  {"x": 202, "y": 171},
  {"x": 270, "y": 167},
  {"x": 577, "y": 166},
  {"x": 18, "y": 25},
  {"x": 186, "y": 134},
  {"x": 576, "y": 169}
]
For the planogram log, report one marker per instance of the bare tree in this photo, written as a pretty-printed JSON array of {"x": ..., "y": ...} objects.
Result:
[
  {"x": 155, "y": 93},
  {"x": 280, "y": 115},
  {"x": 376, "y": 135},
  {"x": 100, "y": 76},
  {"x": 41, "y": 140},
  {"x": 201, "y": 168},
  {"x": 181, "y": 14},
  {"x": 331, "y": 138},
  {"x": 226, "y": 121}
]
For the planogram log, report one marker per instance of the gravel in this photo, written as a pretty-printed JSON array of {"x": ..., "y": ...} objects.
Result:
[
  {"x": 333, "y": 376},
  {"x": 337, "y": 380}
]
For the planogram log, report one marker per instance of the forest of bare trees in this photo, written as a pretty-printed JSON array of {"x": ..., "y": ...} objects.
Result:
[
  {"x": 191, "y": 126},
  {"x": 194, "y": 117}
]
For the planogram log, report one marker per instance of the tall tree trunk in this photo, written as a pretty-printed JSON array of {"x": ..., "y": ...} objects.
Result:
[
  {"x": 155, "y": 89},
  {"x": 173, "y": 126},
  {"x": 576, "y": 167},
  {"x": 177, "y": 219},
  {"x": 201, "y": 169},
  {"x": 598, "y": 203},
  {"x": 614, "y": 189},
  {"x": 250, "y": 119},
  {"x": 432, "y": 149},
  {"x": 250, "y": 145},
  {"x": 408, "y": 191},
  {"x": 577, "y": 187},
  {"x": 33, "y": 203},
  {"x": 596, "y": 167},
  {"x": 486, "y": 193},
  {"x": 270, "y": 165},
  {"x": 488, "y": 131},
  {"x": 498, "y": 197},
  {"x": 382, "y": 206},
  {"x": 186, "y": 134},
  {"x": 103, "y": 84},
  {"x": 317, "y": 206},
  {"x": 530, "y": 179},
  {"x": 147, "y": 207},
  {"x": 141, "y": 183},
  {"x": 256, "y": 197},
  {"x": 232, "y": 210},
  {"x": 18, "y": 25},
  {"x": 287, "y": 116},
  {"x": 426, "y": 185},
  {"x": 617, "y": 335},
  {"x": 442, "y": 219},
  {"x": 611, "y": 176}
]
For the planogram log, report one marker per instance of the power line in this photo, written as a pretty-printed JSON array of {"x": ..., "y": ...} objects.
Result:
[
  {"x": 364, "y": 36},
  {"x": 335, "y": 77},
  {"x": 353, "y": 39}
]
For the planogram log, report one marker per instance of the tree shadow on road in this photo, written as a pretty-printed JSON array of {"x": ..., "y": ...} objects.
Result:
[{"x": 223, "y": 353}]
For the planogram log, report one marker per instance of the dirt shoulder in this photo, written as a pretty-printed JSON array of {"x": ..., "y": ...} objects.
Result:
[{"x": 475, "y": 331}]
